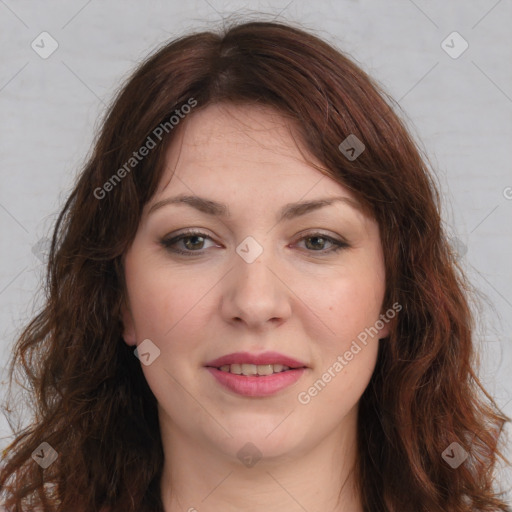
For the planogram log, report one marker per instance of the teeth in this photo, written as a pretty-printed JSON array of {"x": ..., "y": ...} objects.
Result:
[
  {"x": 254, "y": 369},
  {"x": 235, "y": 368}
]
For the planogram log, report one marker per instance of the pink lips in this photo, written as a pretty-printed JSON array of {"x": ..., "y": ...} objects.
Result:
[
  {"x": 248, "y": 358},
  {"x": 256, "y": 386}
]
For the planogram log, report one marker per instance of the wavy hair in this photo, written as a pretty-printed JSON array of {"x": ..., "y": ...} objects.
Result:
[{"x": 91, "y": 401}]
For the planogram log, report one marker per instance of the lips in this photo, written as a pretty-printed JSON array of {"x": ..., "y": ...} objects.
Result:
[
  {"x": 256, "y": 375},
  {"x": 266, "y": 358}
]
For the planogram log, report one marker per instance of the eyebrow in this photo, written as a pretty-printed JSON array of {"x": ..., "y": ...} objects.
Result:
[{"x": 288, "y": 211}]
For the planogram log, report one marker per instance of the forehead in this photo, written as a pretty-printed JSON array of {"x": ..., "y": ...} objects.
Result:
[
  {"x": 238, "y": 124},
  {"x": 227, "y": 149}
]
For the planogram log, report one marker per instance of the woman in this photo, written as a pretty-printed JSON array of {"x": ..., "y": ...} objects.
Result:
[{"x": 252, "y": 304}]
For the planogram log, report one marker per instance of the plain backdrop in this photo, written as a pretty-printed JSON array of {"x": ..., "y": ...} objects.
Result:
[{"x": 457, "y": 102}]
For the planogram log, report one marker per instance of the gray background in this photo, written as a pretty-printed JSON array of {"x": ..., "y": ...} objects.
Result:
[{"x": 459, "y": 108}]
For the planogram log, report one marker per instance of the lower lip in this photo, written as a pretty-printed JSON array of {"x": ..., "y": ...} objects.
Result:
[{"x": 264, "y": 385}]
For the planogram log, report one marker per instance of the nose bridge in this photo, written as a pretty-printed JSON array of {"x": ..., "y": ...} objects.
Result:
[
  {"x": 252, "y": 268},
  {"x": 256, "y": 294}
]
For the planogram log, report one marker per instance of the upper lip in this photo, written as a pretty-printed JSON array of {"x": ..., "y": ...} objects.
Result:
[{"x": 257, "y": 359}]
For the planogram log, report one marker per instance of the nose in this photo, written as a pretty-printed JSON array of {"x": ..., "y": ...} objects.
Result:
[{"x": 255, "y": 294}]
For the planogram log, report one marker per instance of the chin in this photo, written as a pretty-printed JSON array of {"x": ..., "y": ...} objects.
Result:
[{"x": 257, "y": 446}]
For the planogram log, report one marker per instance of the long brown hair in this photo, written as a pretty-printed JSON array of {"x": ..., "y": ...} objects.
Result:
[{"x": 92, "y": 403}]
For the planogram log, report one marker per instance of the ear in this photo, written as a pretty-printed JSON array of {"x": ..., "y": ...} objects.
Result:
[
  {"x": 384, "y": 332},
  {"x": 128, "y": 325},
  {"x": 385, "y": 326}
]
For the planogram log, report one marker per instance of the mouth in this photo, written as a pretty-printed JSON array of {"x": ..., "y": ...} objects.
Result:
[
  {"x": 259, "y": 370},
  {"x": 247, "y": 363},
  {"x": 256, "y": 375}
]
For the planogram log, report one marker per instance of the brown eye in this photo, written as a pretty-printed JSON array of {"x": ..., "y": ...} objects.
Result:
[
  {"x": 193, "y": 242},
  {"x": 318, "y": 241}
]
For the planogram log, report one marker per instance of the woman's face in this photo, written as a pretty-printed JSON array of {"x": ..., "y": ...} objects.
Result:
[{"x": 267, "y": 281}]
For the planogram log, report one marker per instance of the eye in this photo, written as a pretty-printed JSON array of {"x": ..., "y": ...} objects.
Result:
[
  {"x": 193, "y": 242},
  {"x": 319, "y": 239}
]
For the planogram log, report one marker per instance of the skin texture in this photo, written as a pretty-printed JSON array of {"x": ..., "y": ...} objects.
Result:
[{"x": 296, "y": 298}]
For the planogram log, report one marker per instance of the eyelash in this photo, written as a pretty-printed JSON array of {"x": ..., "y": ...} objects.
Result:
[{"x": 168, "y": 243}]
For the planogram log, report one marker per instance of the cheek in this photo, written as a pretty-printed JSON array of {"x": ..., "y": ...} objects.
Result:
[
  {"x": 347, "y": 354},
  {"x": 348, "y": 304},
  {"x": 166, "y": 304},
  {"x": 166, "y": 309},
  {"x": 349, "y": 307},
  {"x": 341, "y": 387}
]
